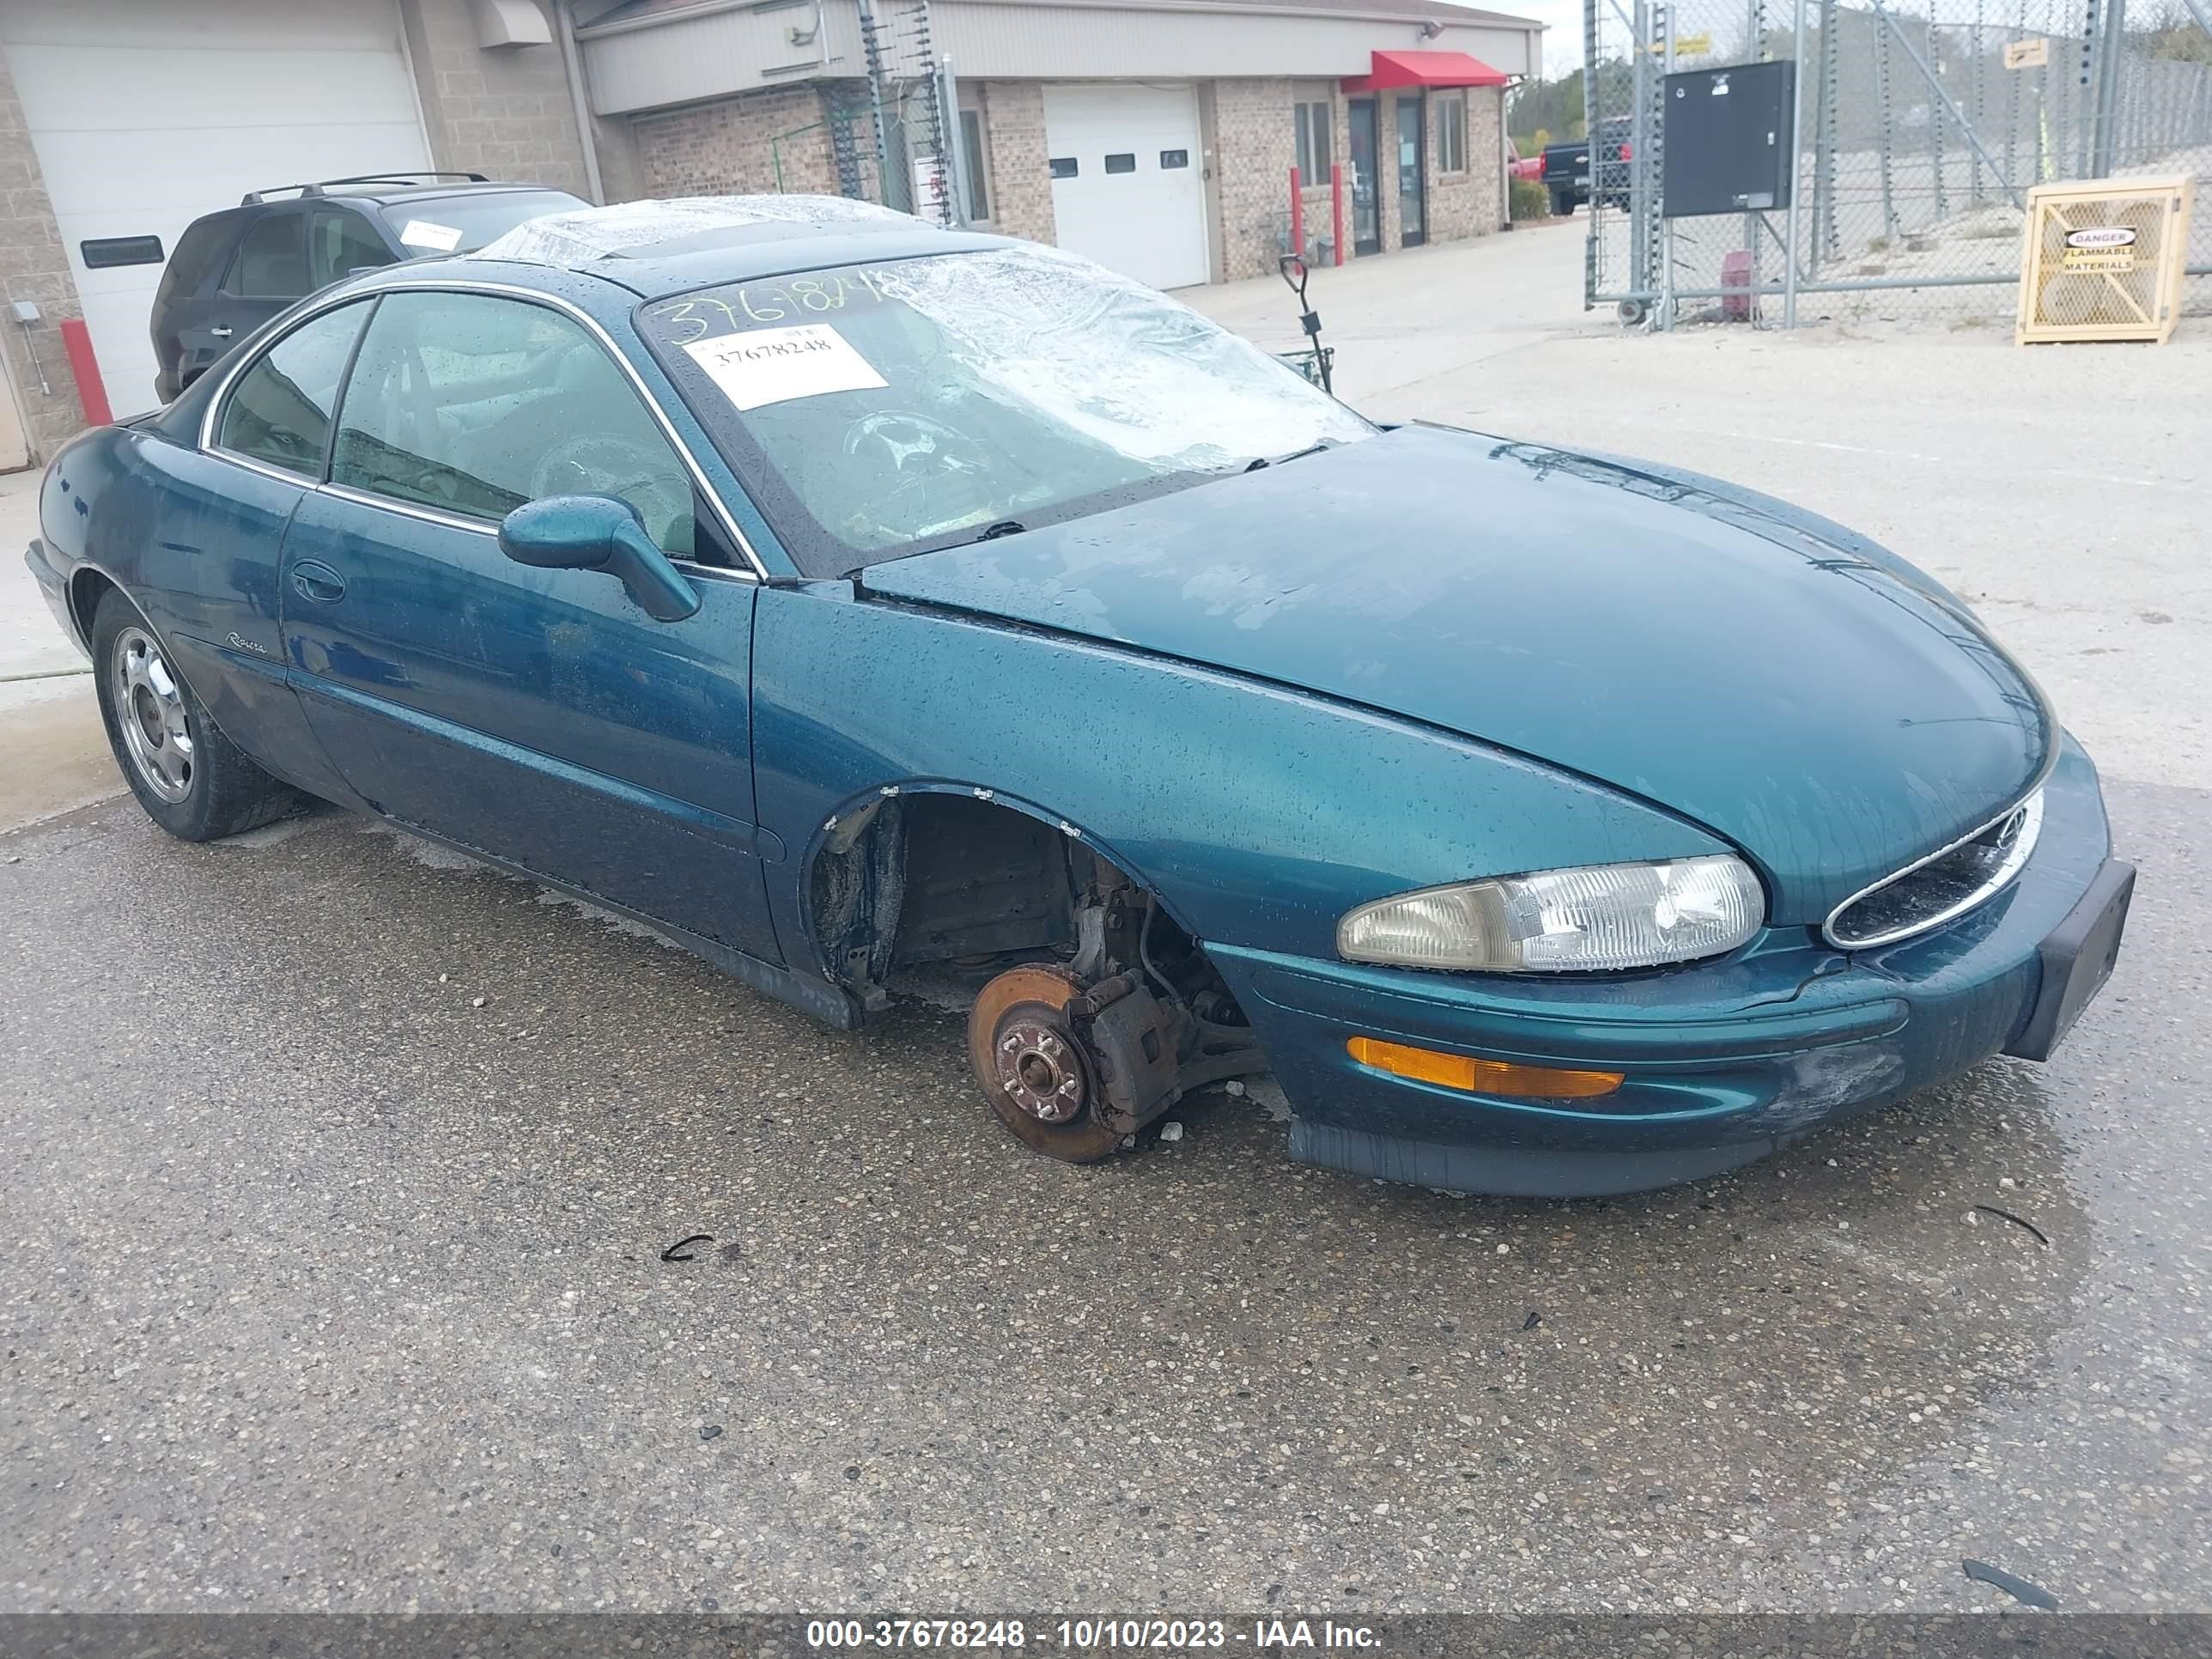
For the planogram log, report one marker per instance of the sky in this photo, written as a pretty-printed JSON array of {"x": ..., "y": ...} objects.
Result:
[{"x": 1563, "y": 39}]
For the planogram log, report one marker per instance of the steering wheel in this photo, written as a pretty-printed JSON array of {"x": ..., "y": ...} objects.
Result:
[
  {"x": 907, "y": 460},
  {"x": 911, "y": 445},
  {"x": 600, "y": 464},
  {"x": 608, "y": 464}
]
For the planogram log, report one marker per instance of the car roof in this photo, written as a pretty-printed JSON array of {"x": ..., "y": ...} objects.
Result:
[{"x": 661, "y": 247}]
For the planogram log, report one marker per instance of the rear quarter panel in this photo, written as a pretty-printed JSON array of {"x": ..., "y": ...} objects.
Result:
[{"x": 193, "y": 542}]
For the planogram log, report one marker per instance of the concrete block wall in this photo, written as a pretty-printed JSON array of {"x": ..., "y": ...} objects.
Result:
[
  {"x": 506, "y": 112},
  {"x": 33, "y": 267},
  {"x": 1255, "y": 144},
  {"x": 1021, "y": 176},
  {"x": 1471, "y": 203}
]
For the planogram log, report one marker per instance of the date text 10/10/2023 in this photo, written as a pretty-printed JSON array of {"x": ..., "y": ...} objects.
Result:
[{"x": 1092, "y": 1635}]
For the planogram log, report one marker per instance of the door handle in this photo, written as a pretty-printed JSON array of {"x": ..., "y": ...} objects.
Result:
[
  {"x": 220, "y": 331},
  {"x": 317, "y": 582}
]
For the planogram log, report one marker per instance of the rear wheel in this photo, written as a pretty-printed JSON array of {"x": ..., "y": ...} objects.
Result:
[
  {"x": 1031, "y": 1067},
  {"x": 1563, "y": 204},
  {"x": 192, "y": 780}
]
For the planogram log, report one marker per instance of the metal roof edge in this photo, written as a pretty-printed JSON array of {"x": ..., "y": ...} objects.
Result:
[{"x": 1405, "y": 11}]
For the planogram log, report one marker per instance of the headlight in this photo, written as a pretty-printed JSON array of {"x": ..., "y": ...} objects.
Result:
[{"x": 1599, "y": 917}]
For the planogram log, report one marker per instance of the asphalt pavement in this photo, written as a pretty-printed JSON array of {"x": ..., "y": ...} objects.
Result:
[{"x": 341, "y": 1171}]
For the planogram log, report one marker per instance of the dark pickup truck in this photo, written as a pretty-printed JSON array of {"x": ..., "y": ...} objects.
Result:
[{"x": 1568, "y": 174}]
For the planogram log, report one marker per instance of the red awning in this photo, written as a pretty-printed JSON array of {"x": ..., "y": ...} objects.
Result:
[{"x": 1392, "y": 69}]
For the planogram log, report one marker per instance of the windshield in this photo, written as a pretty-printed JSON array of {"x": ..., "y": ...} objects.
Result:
[
  {"x": 464, "y": 223},
  {"x": 881, "y": 410}
]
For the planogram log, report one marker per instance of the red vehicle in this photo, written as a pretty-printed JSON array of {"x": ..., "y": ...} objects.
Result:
[{"x": 1518, "y": 168}]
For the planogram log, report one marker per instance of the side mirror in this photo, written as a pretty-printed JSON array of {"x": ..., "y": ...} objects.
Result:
[{"x": 597, "y": 532}]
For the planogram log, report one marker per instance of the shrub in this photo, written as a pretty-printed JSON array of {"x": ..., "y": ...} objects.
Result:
[{"x": 1530, "y": 200}]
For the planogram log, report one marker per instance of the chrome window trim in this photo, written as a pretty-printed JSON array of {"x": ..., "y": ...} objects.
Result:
[
  {"x": 211, "y": 422},
  {"x": 407, "y": 509},
  {"x": 487, "y": 527},
  {"x": 2016, "y": 860},
  {"x": 220, "y": 400},
  {"x": 298, "y": 480}
]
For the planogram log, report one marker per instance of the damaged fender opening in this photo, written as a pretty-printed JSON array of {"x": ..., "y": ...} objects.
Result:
[{"x": 1090, "y": 1012}]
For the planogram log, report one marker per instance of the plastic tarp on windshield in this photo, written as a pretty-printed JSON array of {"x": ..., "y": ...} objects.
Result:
[{"x": 568, "y": 241}]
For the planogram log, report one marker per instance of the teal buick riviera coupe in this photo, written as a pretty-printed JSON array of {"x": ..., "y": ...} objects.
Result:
[{"x": 865, "y": 605}]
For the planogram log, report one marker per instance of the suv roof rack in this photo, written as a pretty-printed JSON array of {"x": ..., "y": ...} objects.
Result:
[{"x": 253, "y": 198}]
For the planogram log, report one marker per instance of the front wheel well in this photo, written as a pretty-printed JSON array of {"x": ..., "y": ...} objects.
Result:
[{"x": 933, "y": 894}]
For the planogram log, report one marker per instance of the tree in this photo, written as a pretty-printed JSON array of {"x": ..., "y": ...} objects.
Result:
[
  {"x": 1552, "y": 107},
  {"x": 2174, "y": 34}
]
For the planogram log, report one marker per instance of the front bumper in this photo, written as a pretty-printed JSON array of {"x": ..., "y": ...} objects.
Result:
[{"x": 1725, "y": 1062}]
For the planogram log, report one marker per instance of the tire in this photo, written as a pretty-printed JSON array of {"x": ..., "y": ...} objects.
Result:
[
  {"x": 1562, "y": 205},
  {"x": 192, "y": 780}
]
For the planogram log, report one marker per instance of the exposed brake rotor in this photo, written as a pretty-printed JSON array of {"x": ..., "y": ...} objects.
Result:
[{"x": 1038, "y": 1077}]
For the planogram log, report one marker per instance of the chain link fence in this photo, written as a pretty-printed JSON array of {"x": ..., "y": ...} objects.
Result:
[
  {"x": 892, "y": 136},
  {"x": 1919, "y": 133}
]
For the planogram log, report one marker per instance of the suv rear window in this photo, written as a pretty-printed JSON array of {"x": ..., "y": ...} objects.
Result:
[
  {"x": 272, "y": 260},
  {"x": 464, "y": 223},
  {"x": 204, "y": 246}
]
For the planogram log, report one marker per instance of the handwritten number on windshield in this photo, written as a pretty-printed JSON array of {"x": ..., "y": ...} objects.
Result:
[{"x": 699, "y": 315}]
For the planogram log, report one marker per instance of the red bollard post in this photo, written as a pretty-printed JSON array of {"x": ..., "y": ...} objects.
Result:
[
  {"x": 91, "y": 393},
  {"x": 1336, "y": 209},
  {"x": 1298, "y": 216}
]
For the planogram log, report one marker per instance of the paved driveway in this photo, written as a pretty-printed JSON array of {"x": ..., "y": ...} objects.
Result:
[{"x": 330, "y": 1265}]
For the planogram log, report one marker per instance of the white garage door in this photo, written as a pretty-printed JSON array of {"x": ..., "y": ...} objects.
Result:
[
  {"x": 1128, "y": 185},
  {"x": 146, "y": 113}
]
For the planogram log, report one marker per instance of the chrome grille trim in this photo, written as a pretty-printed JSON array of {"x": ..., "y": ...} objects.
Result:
[{"x": 2023, "y": 821}]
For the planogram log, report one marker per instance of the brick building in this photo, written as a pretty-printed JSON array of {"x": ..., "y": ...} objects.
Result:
[
  {"x": 1158, "y": 135},
  {"x": 125, "y": 119}
]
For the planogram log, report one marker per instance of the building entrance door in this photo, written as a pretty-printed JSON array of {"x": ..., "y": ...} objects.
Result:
[{"x": 1366, "y": 178}]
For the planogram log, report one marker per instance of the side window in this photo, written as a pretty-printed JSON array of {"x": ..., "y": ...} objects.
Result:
[
  {"x": 475, "y": 405},
  {"x": 340, "y": 243},
  {"x": 200, "y": 253},
  {"x": 1315, "y": 130},
  {"x": 1451, "y": 132},
  {"x": 279, "y": 412},
  {"x": 271, "y": 262}
]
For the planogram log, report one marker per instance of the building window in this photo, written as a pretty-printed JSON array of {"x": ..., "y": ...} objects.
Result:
[
  {"x": 975, "y": 165},
  {"x": 1452, "y": 132},
  {"x": 1315, "y": 121}
]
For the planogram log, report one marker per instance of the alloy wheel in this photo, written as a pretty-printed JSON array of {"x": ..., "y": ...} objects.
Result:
[{"x": 150, "y": 711}]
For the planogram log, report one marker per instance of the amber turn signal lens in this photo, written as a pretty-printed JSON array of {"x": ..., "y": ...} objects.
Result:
[{"x": 1487, "y": 1077}]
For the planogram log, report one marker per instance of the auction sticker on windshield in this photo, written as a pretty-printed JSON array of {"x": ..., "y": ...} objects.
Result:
[
  {"x": 421, "y": 233},
  {"x": 774, "y": 365}
]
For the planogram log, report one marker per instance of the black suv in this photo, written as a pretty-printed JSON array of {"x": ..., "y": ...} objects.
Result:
[{"x": 233, "y": 271}]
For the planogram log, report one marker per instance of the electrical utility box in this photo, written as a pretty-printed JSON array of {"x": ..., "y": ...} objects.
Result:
[{"x": 1725, "y": 139}]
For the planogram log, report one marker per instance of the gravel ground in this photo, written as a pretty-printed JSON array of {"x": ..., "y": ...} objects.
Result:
[{"x": 330, "y": 1265}]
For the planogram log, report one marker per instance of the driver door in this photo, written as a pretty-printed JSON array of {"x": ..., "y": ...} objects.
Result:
[{"x": 538, "y": 716}]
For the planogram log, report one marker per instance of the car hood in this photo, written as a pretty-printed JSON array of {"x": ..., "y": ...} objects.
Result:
[{"x": 1817, "y": 701}]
